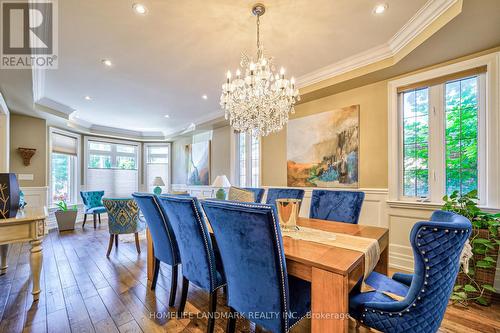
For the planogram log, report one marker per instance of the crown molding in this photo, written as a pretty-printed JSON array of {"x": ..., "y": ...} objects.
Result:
[{"x": 429, "y": 13}]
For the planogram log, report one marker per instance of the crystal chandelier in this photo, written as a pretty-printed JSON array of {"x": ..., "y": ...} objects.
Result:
[{"x": 259, "y": 101}]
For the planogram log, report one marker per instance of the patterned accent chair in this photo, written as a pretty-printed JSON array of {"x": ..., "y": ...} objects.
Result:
[
  {"x": 437, "y": 245},
  {"x": 93, "y": 205},
  {"x": 339, "y": 206},
  {"x": 254, "y": 263},
  {"x": 257, "y": 192},
  {"x": 283, "y": 193},
  {"x": 123, "y": 218},
  {"x": 200, "y": 266},
  {"x": 164, "y": 242}
]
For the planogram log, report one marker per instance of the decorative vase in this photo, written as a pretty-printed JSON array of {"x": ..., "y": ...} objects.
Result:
[
  {"x": 220, "y": 194},
  {"x": 9, "y": 195},
  {"x": 157, "y": 190}
]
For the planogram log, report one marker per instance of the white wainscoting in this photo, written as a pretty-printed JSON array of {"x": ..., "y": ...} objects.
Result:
[{"x": 36, "y": 196}]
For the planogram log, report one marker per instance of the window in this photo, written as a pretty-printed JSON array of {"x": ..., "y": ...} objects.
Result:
[
  {"x": 416, "y": 143},
  {"x": 440, "y": 124},
  {"x": 461, "y": 98},
  {"x": 63, "y": 161},
  {"x": 157, "y": 164},
  {"x": 248, "y": 160},
  {"x": 112, "y": 166}
]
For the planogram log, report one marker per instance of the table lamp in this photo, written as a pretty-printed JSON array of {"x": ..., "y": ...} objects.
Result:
[
  {"x": 158, "y": 182},
  {"x": 221, "y": 182}
]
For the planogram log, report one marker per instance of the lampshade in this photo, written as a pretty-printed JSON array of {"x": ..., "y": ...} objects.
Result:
[
  {"x": 221, "y": 181},
  {"x": 158, "y": 182}
]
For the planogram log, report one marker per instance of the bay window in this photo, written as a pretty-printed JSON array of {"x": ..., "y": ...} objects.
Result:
[
  {"x": 157, "y": 164},
  {"x": 112, "y": 166},
  {"x": 248, "y": 160},
  {"x": 63, "y": 162}
]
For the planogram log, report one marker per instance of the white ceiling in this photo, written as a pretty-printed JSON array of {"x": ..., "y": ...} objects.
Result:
[{"x": 166, "y": 60}]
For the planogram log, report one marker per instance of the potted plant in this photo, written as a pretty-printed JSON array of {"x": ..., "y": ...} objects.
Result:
[
  {"x": 476, "y": 284},
  {"x": 66, "y": 217}
]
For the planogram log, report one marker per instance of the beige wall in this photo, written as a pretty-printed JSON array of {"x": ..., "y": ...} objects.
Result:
[
  {"x": 29, "y": 132},
  {"x": 220, "y": 155},
  {"x": 373, "y": 135},
  {"x": 4, "y": 142}
]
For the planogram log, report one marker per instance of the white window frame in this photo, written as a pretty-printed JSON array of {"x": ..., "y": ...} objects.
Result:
[
  {"x": 248, "y": 161},
  {"x": 113, "y": 141},
  {"x": 145, "y": 176},
  {"x": 76, "y": 173},
  {"x": 488, "y": 140}
]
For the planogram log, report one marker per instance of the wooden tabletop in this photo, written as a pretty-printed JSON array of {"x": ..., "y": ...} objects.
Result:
[
  {"x": 328, "y": 257},
  {"x": 27, "y": 214}
]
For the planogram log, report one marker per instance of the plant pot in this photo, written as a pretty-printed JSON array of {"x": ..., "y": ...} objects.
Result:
[
  {"x": 66, "y": 219},
  {"x": 482, "y": 275}
]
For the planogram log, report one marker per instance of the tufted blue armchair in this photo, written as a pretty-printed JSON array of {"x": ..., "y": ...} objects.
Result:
[
  {"x": 164, "y": 242},
  {"x": 283, "y": 193},
  {"x": 437, "y": 245},
  {"x": 258, "y": 193},
  {"x": 199, "y": 263},
  {"x": 123, "y": 218},
  {"x": 254, "y": 263},
  {"x": 93, "y": 205},
  {"x": 340, "y": 206}
]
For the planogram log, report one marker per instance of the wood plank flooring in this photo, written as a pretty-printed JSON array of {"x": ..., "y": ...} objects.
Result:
[{"x": 83, "y": 291}]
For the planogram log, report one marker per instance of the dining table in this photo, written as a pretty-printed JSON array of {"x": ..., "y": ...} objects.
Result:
[{"x": 332, "y": 271}]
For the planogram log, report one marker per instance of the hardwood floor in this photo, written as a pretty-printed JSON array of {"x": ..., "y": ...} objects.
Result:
[{"x": 83, "y": 291}]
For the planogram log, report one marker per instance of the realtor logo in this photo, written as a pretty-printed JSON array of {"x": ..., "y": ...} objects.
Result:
[{"x": 29, "y": 34}]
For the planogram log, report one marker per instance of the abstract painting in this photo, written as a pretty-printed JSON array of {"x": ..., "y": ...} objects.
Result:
[
  {"x": 198, "y": 163},
  {"x": 323, "y": 149}
]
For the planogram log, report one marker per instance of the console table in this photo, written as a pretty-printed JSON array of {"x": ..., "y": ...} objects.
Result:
[{"x": 27, "y": 226}]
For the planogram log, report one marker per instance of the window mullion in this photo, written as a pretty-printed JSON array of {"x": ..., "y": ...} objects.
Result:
[
  {"x": 437, "y": 143},
  {"x": 248, "y": 149}
]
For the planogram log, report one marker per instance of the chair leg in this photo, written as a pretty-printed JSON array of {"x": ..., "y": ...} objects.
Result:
[
  {"x": 94, "y": 220},
  {"x": 231, "y": 322},
  {"x": 84, "y": 220},
  {"x": 99, "y": 217},
  {"x": 110, "y": 246},
  {"x": 155, "y": 274},
  {"x": 212, "y": 303},
  {"x": 116, "y": 240},
  {"x": 184, "y": 294},
  {"x": 137, "y": 244},
  {"x": 173, "y": 285}
]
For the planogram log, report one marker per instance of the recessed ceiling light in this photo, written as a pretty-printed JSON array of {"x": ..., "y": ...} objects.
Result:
[
  {"x": 204, "y": 96},
  {"x": 88, "y": 98},
  {"x": 379, "y": 9},
  {"x": 107, "y": 62},
  {"x": 167, "y": 116},
  {"x": 140, "y": 8}
]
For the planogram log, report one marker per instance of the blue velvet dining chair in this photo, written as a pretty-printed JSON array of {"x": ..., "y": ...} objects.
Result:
[
  {"x": 123, "y": 218},
  {"x": 92, "y": 201},
  {"x": 200, "y": 266},
  {"x": 258, "y": 193},
  {"x": 339, "y": 206},
  {"x": 164, "y": 242},
  {"x": 437, "y": 245},
  {"x": 250, "y": 243},
  {"x": 283, "y": 193}
]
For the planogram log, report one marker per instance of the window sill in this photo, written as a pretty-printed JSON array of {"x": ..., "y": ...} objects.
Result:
[
  {"x": 414, "y": 205},
  {"x": 430, "y": 206}
]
